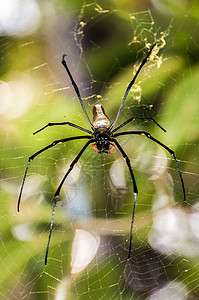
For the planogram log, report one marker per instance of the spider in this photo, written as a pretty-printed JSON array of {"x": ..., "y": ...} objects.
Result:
[{"x": 103, "y": 138}]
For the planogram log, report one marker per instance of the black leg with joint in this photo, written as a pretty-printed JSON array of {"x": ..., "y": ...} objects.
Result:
[
  {"x": 131, "y": 84},
  {"x": 74, "y": 162},
  {"x": 144, "y": 133},
  {"x": 126, "y": 159},
  {"x": 42, "y": 150},
  {"x": 76, "y": 89},
  {"x": 63, "y": 123},
  {"x": 138, "y": 118}
]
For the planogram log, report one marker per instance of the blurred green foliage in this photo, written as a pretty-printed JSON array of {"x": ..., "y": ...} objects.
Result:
[{"x": 98, "y": 39}]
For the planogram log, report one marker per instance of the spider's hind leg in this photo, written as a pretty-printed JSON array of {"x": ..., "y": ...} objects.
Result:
[{"x": 127, "y": 160}]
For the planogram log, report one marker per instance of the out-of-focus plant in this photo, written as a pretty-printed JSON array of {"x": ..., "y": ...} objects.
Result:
[{"x": 34, "y": 90}]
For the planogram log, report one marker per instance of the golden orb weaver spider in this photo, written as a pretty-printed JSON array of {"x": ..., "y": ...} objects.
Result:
[{"x": 103, "y": 137}]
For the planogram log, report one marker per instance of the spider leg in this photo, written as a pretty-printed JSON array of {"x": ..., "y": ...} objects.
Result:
[
  {"x": 144, "y": 133},
  {"x": 138, "y": 118},
  {"x": 126, "y": 159},
  {"x": 40, "y": 151},
  {"x": 76, "y": 89},
  {"x": 63, "y": 123},
  {"x": 74, "y": 162},
  {"x": 131, "y": 84}
]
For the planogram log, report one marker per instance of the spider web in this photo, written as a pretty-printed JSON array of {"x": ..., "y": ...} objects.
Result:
[{"x": 88, "y": 251}]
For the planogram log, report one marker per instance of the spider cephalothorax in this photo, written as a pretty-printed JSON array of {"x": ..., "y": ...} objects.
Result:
[{"x": 103, "y": 138}]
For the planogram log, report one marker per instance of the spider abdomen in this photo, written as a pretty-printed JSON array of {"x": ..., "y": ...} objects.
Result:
[{"x": 100, "y": 119}]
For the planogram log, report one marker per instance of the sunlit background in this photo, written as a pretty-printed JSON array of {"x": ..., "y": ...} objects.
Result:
[{"x": 105, "y": 41}]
